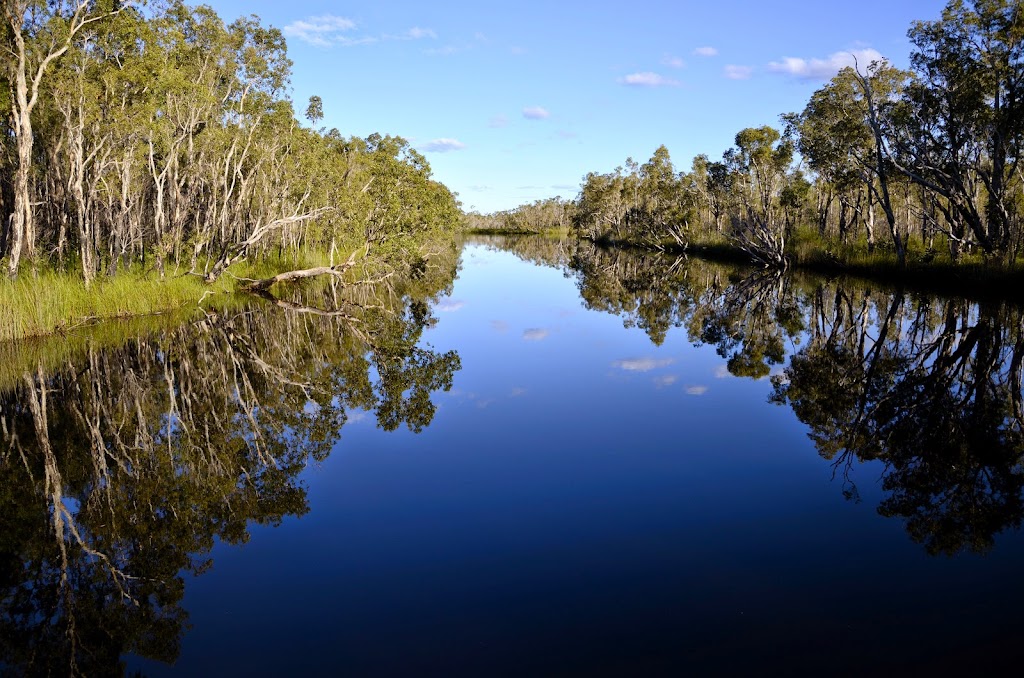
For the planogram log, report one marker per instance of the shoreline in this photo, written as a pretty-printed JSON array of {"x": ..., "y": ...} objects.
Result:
[{"x": 974, "y": 280}]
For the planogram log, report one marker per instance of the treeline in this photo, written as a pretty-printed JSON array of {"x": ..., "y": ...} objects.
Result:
[
  {"x": 536, "y": 217},
  {"x": 921, "y": 161},
  {"x": 164, "y": 136}
]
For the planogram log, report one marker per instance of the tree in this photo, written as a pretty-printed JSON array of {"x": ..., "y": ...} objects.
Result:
[
  {"x": 315, "y": 110},
  {"x": 960, "y": 128},
  {"x": 841, "y": 135},
  {"x": 759, "y": 162},
  {"x": 37, "y": 35}
]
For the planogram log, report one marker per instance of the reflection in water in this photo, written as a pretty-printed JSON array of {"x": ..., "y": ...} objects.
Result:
[
  {"x": 931, "y": 388},
  {"x": 119, "y": 471}
]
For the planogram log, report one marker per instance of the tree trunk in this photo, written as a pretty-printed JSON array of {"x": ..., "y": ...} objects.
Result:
[{"x": 22, "y": 226}]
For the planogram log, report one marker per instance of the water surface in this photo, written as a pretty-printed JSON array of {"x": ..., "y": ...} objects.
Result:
[{"x": 570, "y": 461}]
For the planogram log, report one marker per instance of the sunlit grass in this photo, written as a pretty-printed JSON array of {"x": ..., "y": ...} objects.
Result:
[{"x": 49, "y": 302}]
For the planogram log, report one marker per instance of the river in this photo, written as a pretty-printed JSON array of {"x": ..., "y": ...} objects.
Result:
[{"x": 564, "y": 461}]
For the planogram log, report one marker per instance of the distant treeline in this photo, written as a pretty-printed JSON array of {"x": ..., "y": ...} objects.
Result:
[
  {"x": 922, "y": 162},
  {"x": 156, "y": 133}
]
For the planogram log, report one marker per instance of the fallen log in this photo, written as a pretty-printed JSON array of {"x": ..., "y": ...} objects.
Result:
[{"x": 265, "y": 283}]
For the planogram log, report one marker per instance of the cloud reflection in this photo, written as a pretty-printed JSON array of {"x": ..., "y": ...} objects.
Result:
[
  {"x": 642, "y": 364},
  {"x": 450, "y": 305},
  {"x": 535, "y": 334}
]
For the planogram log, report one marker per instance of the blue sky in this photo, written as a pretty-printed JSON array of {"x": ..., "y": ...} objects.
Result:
[{"x": 513, "y": 102}]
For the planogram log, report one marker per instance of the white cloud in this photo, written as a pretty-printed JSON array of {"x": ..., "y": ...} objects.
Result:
[
  {"x": 535, "y": 334},
  {"x": 518, "y": 391},
  {"x": 498, "y": 121},
  {"x": 734, "y": 72},
  {"x": 536, "y": 113},
  {"x": 697, "y": 390},
  {"x": 666, "y": 380},
  {"x": 673, "y": 61},
  {"x": 417, "y": 33},
  {"x": 642, "y": 364},
  {"x": 443, "y": 145},
  {"x": 450, "y": 305},
  {"x": 722, "y": 372},
  {"x": 447, "y": 50},
  {"x": 823, "y": 69},
  {"x": 706, "y": 51},
  {"x": 321, "y": 31},
  {"x": 648, "y": 79}
]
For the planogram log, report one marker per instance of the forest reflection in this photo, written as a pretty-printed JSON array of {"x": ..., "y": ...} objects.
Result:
[
  {"x": 929, "y": 387},
  {"x": 121, "y": 468}
]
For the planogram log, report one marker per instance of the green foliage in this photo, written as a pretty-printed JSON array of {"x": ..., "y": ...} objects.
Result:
[
  {"x": 648, "y": 205},
  {"x": 552, "y": 214},
  {"x": 166, "y": 137}
]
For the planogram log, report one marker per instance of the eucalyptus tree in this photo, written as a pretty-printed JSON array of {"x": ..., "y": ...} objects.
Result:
[
  {"x": 758, "y": 164},
  {"x": 665, "y": 208},
  {"x": 644, "y": 205},
  {"x": 36, "y": 35},
  {"x": 960, "y": 129},
  {"x": 719, "y": 183},
  {"x": 841, "y": 135},
  {"x": 599, "y": 208}
]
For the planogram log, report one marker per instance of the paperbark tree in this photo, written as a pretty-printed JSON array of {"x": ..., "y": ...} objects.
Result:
[{"x": 38, "y": 35}]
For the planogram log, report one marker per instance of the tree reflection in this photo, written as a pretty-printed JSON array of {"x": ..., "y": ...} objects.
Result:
[
  {"x": 119, "y": 472},
  {"x": 931, "y": 389}
]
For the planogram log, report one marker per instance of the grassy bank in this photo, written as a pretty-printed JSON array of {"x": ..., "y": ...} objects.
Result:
[{"x": 57, "y": 302}]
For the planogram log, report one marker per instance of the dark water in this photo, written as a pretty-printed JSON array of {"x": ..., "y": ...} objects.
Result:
[{"x": 569, "y": 462}]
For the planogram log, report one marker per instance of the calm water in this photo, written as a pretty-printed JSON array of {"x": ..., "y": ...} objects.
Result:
[{"x": 595, "y": 463}]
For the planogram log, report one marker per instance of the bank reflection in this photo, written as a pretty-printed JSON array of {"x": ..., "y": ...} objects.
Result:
[
  {"x": 122, "y": 467},
  {"x": 929, "y": 387}
]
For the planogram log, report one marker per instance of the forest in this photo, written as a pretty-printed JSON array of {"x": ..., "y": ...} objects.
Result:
[
  {"x": 156, "y": 137},
  {"x": 906, "y": 167}
]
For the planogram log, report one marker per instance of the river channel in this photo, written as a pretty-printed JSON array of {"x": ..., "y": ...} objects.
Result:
[{"x": 537, "y": 458}]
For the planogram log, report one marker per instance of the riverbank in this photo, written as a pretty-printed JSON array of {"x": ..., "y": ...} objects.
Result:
[
  {"x": 57, "y": 302},
  {"x": 926, "y": 270}
]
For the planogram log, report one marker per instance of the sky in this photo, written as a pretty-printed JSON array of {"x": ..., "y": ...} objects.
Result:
[{"x": 517, "y": 101}]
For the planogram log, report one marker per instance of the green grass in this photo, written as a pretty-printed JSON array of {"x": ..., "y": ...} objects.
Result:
[
  {"x": 53, "y": 302},
  {"x": 57, "y": 302}
]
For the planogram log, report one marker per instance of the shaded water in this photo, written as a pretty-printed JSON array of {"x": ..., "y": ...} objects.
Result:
[{"x": 571, "y": 461}]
